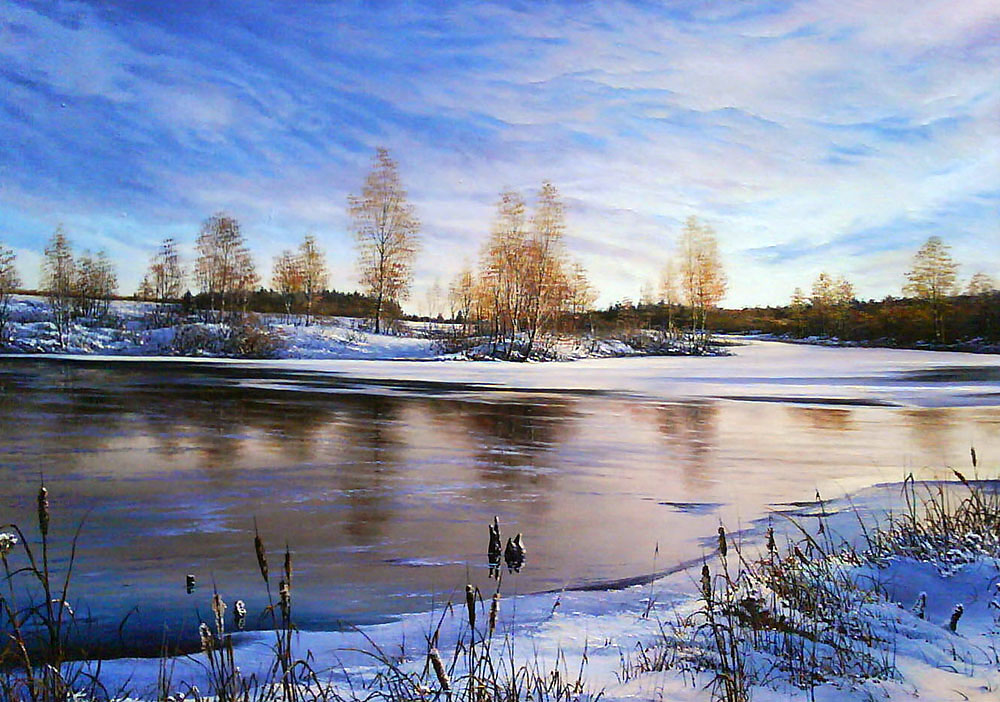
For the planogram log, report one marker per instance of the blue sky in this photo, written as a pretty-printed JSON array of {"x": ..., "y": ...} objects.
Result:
[{"x": 829, "y": 135}]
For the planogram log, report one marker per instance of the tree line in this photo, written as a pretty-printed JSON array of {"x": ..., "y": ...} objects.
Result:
[{"x": 934, "y": 307}]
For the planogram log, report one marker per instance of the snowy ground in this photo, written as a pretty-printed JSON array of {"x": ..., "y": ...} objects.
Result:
[
  {"x": 131, "y": 331},
  {"x": 933, "y": 663}
]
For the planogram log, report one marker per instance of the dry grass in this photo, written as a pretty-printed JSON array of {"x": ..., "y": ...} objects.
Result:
[
  {"x": 482, "y": 664},
  {"x": 799, "y": 614}
]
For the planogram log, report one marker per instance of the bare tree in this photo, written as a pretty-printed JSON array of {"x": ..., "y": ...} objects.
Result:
[
  {"x": 669, "y": 293},
  {"x": 9, "y": 282},
  {"x": 933, "y": 278},
  {"x": 315, "y": 276},
  {"x": 386, "y": 230},
  {"x": 582, "y": 294},
  {"x": 703, "y": 279},
  {"x": 434, "y": 298},
  {"x": 164, "y": 279},
  {"x": 462, "y": 295},
  {"x": 224, "y": 269},
  {"x": 58, "y": 281},
  {"x": 95, "y": 284},
  {"x": 287, "y": 277}
]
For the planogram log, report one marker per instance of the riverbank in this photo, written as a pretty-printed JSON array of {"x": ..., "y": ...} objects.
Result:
[
  {"x": 149, "y": 329},
  {"x": 827, "y": 599}
]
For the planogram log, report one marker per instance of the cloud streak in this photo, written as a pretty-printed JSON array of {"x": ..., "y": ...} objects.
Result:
[{"x": 810, "y": 134}]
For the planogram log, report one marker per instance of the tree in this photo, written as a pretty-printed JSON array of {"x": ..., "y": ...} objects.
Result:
[
  {"x": 58, "y": 281},
  {"x": 9, "y": 282},
  {"x": 981, "y": 284},
  {"x": 315, "y": 276},
  {"x": 434, "y": 298},
  {"x": 932, "y": 278},
  {"x": 798, "y": 307},
  {"x": 703, "y": 279},
  {"x": 462, "y": 295},
  {"x": 386, "y": 230},
  {"x": 503, "y": 280},
  {"x": 286, "y": 277},
  {"x": 669, "y": 295},
  {"x": 582, "y": 294},
  {"x": 547, "y": 290},
  {"x": 95, "y": 284},
  {"x": 164, "y": 279},
  {"x": 224, "y": 269}
]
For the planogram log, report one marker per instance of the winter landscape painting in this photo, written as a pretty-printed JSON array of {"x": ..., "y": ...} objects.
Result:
[{"x": 474, "y": 351}]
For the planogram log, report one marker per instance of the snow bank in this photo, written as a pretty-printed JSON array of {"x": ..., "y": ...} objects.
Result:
[{"x": 610, "y": 627}]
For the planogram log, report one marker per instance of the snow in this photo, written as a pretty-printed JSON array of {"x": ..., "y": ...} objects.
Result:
[
  {"x": 609, "y": 627},
  {"x": 756, "y": 370}
]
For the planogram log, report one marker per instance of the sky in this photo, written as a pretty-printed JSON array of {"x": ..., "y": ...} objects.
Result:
[{"x": 828, "y": 135}]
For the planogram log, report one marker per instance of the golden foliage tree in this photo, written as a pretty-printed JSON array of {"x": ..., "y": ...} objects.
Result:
[
  {"x": 314, "y": 273},
  {"x": 703, "y": 278},
  {"x": 224, "y": 268},
  {"x": 933, "y": 278}
]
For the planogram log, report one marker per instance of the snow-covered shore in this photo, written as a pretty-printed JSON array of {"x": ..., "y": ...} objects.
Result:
[{"x": 612, "y": 627}]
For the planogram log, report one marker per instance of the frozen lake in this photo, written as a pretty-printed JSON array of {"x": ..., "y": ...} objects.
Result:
[{"x": 382, "y": 476}]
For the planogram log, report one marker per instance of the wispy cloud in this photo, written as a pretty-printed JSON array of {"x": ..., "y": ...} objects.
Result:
[{"x": 810, "y": 134}]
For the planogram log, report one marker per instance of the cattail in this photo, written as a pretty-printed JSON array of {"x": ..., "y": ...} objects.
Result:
[
  {"x": 43, "y": 510},
  {"x": 771, "y": 548},
  {"x": 189, "y": 583},
  {"x": 240, "y": 614},
  {"x": 439, "y": 671},
  {"x": 288, "y": 566},
  {"x": 470, "y": 604},
  {"x": 920, "y": 606},
  {"x": 258, "y": 546},
  {"x": 706, "y": 584},
  {"x": 961, "y": 478},
  {"x": 956, "y": 614},
  {"x": 284, "y": 597},
  {"x": 972, "y": 450},
  {"x": 494, "y": 611},
  {"x": 722, "y": 541},
  {"x": 219, "y": 610},
  {"x": 206, "y": 637}
]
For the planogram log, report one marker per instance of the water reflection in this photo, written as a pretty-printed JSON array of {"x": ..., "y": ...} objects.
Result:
[{"x": 385, "y": 495}]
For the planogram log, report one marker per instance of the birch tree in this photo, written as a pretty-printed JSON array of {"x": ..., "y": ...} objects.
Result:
[
  {"x": 669, "y": 293},
  {"x": 315, "y": 275},
  {"x": 9, "y": 282},
  {"x": 386, "y": 231},
  {"x": 164, "y": 279},
  {"x": 981, "y": 284},
  {"x": 503, "y": 280},
  {"x": 287, "y": 277},
  {"x": 95, "y": 283},
  {"x": 547, "y": 288},
  {"x": 58, "y": 279},
  {"x": 703, "y": 279},
  {"x": 462, "y": 295},
  {"x": 224, "y": 268},
  {"x": 933, "y": 278}
]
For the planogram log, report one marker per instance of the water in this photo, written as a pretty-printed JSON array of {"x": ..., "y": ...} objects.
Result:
[{"x": 383, "y": 491}]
